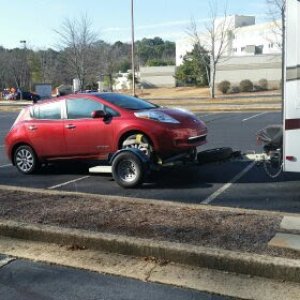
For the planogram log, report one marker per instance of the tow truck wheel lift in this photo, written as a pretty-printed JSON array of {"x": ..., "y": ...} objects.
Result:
[{"x": 131, "y": 167}]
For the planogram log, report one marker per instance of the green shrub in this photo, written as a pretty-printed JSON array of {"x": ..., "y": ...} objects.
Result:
[
  {"x": 234, "y": 89},
  {"x": 263, "y": 83},
  {"x": 246, "y": 85},
  {"x": 224, "y": 86}
]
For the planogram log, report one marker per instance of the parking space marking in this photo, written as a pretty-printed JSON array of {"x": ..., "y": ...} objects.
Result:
[
  {"x": 255, "y": 116},
  {"x": 66, "y": 183},
  {"x": 221, "y": 190},
  {"x": 6, "y": 166},
  {"x": 2, "y": 146}
]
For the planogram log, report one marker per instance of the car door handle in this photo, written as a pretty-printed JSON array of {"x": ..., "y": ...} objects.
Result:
[
  {"x": 70, "y": 126},
  {"x": 32, "y": 127}
]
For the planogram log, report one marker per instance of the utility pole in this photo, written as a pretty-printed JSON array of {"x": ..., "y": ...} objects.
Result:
[
  {"x": 132, "y": 50},
  {"x": 25, "y": 54}
]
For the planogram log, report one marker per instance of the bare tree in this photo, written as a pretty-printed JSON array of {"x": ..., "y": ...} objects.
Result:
[
  {"x": 214, "y": 39},
  {"x": 77, "y": 39},
  {"x": 18, "y": 68},
  {"x": 277, "y": 11}
]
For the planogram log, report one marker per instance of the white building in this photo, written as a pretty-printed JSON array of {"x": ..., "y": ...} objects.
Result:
[
  {"x": 163, "y": 76},
  {"x": 122, "y": 82},
  {"x": 256, "y": 39},
  {"x": 244, "y": 37}
]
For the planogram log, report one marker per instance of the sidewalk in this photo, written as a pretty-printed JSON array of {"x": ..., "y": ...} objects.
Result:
[{"x": 234, "y": 240}]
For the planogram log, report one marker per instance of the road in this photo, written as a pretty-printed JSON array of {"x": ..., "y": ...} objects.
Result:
[
  {"x": 25, "y": 280},
  {"x": 233, "y": 184}
]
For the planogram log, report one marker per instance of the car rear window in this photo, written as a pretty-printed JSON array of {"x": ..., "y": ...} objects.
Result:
[
  {"x": 49, "y": 111},
  {"x": 125, "y": 101}
]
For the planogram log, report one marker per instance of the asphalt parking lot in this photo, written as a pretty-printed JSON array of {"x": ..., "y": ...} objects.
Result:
[{"x": 236, "y": 184}]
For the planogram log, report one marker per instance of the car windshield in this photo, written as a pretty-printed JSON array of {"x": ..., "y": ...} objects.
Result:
[{"x": 125, "y": 101}]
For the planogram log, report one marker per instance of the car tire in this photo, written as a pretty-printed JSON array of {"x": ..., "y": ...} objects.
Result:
[
  {"x": 214, "y": 155},
  {"x": 128, "y": 170},
  {"x": 138, "y": 141},
  {"x": 26, "y": 160}
]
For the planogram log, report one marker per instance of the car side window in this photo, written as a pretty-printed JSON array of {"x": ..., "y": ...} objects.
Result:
[
  {"x": 111, "y": 111},
  {"x": 49, "y": 111},
  {"x": 82, "y": 108}
]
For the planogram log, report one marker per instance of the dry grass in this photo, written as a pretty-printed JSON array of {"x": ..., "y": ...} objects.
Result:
[
  {"x": 193, "y": 93},
  {"x": 183, "y": 92}
]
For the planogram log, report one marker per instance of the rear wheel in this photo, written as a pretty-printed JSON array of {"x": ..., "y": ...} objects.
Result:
[
  {"x": 25, "y": 160},
  {"x": 128, "y": 170}
]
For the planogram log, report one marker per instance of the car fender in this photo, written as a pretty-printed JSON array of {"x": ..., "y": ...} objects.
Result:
[
  {"x": 148, "y": 131},
  {"x": 143, "y": 158}
]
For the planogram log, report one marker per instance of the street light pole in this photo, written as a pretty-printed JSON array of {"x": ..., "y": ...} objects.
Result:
[
  {"x": 132, "y": 50},
  {"x": 25, "y": 49}
]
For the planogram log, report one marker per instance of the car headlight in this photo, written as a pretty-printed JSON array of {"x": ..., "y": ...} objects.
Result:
[{"x": 156, "y": 116}]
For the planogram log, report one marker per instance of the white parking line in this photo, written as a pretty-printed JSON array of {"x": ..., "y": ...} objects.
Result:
[
  {"x": 2, "y": 146},
  {"x": 221, "y": 190},
  {"x": 66, "y": 183},
  {"x": 255, "y": 116},
  {"x": 6, "y": 166}
]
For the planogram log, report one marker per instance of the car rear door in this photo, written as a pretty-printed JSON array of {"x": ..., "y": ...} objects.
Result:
[
  {"x": 84, "y": 135},
  {"x": 46, "y": 130}
]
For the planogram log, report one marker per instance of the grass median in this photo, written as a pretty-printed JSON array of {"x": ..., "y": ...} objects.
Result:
[{"x": 235, "y": 230}]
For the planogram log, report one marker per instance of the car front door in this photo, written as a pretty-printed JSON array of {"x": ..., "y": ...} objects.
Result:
[{"x": 86, "y": 136}]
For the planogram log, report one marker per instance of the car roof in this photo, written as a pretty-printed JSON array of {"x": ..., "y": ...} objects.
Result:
[{"x": 74, "y": 96}]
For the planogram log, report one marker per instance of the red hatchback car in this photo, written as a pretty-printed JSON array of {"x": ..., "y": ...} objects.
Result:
[{"x": 95, "y": 126}]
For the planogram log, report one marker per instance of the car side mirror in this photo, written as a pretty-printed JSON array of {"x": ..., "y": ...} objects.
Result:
[{"x": 98, "y": 114}]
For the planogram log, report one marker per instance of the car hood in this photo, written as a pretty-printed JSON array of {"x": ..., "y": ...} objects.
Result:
[{"x": 183, "y": 116}]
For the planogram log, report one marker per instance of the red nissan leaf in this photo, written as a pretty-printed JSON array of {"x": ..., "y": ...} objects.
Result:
[{"x": 96, "y": 125}]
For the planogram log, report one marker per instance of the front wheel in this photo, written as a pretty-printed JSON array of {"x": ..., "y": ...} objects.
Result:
[
  {"x": 128, "y": 170},
  {"x": 25, "y": 160},
  {"x": 138, "y": 141}
]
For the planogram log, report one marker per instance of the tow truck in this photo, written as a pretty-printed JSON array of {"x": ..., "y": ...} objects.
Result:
[{"x": 282, "y": 142}]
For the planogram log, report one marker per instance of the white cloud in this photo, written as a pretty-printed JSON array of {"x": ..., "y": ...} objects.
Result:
[{"x": 153, "y": 26}]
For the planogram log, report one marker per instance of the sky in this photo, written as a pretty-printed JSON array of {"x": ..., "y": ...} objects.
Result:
[{"x": 35, "y": 21}]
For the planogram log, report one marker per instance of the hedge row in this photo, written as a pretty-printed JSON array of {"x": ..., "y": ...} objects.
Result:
[{"x": 245, "y": 85}]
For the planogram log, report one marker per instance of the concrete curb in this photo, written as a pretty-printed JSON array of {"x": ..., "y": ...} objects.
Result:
[{"x": 251, "y": 264}]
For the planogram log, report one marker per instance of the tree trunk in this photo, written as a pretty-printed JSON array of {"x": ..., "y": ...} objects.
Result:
[{"x": 212, "y": 80}]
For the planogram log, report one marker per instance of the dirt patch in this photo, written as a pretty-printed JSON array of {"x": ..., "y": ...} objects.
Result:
[{"x": 227, "y": 230}]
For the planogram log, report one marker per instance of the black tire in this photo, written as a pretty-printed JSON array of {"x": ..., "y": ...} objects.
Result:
[
  {"x": 26, "y": 160},
  {"x": 128, "y": 170},
  {"x": 214, "y": 155}
]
